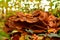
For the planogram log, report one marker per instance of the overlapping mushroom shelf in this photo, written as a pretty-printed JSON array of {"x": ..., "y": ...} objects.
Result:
[{"x": 38, "y": 21}]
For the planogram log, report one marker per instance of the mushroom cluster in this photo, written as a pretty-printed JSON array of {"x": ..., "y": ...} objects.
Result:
[{"x": 39, "y": 21}]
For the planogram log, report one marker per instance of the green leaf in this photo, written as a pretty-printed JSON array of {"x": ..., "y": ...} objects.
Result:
[
  {"x": 51, "y": 4},
  {"x": 56, "y": 5},
  {"x": 58, "y": 13},
  {"x": 27, "y": 37},
  {"x": 4, "y": 35},
  {"x": 49, "y": 35},
  {"x": 29, "y": 31},
  {"x": 58, "y": 32},
  {"x": 41, "y": 34},
  {"x": 54, "y": 11},
  {"x": 53, "y": 35},
  {"x": 1, "y": 38}
]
